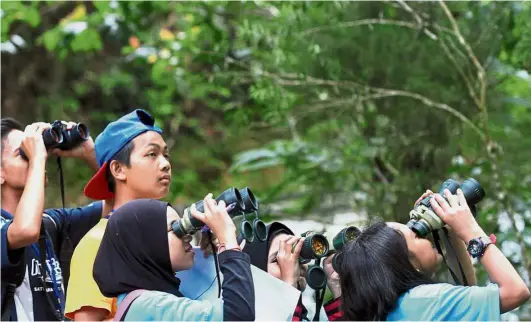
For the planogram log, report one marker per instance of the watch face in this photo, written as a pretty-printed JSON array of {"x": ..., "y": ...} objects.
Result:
[{"x": 475, "y": 247}]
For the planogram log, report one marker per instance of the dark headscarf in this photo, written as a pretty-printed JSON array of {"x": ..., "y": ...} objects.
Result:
[
  {"x": 259, "y": 251},
  {"x": 134, "y": 252}
]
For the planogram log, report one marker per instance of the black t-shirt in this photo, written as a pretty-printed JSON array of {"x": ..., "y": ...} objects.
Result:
[{"x": 33, "y": 300}]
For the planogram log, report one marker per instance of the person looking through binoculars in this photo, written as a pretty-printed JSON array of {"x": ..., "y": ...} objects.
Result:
[
  {"x": 280, "y": 256},
  {"x": 386, "y": 271},
  {"x": 34, "y": 265},
  {"x": 142, "y": 249}
]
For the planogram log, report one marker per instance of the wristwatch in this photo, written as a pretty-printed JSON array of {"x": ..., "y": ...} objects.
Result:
[{"x": 477, "y": 246}]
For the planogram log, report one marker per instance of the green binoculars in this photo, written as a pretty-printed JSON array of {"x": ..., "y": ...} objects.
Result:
[
  {"x": 316, "y": 246},
  {"x": 344, "y": 236}
]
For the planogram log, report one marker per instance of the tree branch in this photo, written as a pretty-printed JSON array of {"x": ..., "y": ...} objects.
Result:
[{"x": 374, "y": 21}]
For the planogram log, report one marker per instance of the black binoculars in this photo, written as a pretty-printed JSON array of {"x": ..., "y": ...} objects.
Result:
[
  {"x": 238, "y": 203},
  {"x": 58, "y": 136},
  {"x": 424, "y": 220}
]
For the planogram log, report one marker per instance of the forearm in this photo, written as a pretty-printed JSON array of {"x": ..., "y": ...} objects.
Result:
[
  {"x": 513, "y": 290},
  {"x": 462, "y": 256},
  {"x": 26, "y": 225},
  {"x": 238, "y": 286},
  {"x": 92, "y": 162}
]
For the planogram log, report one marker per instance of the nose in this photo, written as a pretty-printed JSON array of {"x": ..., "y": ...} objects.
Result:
[
  {"x": 304, "y": 269},
  {"x": 165, "y": 164},
  {"x": 187, "y": 238}
]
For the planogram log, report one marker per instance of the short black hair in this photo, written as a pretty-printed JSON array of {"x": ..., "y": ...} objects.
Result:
[
  {"x": 9, "y": 124},
  {"x": 123, "y": 156}
]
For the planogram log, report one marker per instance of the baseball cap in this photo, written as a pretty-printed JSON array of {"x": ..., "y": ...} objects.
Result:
[{"x": 115, "y": 136}]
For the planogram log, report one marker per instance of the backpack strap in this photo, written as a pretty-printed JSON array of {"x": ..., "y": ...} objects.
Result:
[{"x": 124, "y": 306}]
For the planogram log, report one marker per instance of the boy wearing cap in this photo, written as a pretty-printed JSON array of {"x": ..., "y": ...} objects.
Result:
[
  {"x": 32, "y": 279},
  {"x": 134, "y": 164}
]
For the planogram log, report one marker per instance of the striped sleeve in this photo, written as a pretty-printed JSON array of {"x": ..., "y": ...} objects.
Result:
[
  {"x": 333, "y": 309},
  {"x": 300, "y": 311}
]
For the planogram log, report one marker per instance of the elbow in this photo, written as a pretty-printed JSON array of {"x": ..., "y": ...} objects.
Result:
[
  {"x": 514, "y": 298},
  {"x": 26, "y": 236},
  {"x": 524, "y": 295}
]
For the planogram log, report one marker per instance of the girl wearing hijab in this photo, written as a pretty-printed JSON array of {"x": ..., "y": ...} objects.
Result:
[
  {"x": 139, "y": 251},
  {"x": 275, "y": 256}
]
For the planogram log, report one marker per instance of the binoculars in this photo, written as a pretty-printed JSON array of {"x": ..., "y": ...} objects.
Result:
[
  {"x": 344, "y": 236},
  {"x": 238, "y": 203},
  {"x": 58, "y": 136},
  {"x": 424, "y": 220},
  {"x": 316, "y": 246}
]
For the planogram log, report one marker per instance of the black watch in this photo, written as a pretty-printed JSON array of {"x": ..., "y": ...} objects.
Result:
[{"x": 477, "y": 246}]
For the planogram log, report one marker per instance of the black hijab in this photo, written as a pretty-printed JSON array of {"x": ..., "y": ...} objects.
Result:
[
  {"x": 134, "y": 252},
  {"x": 259, "y": 251}
]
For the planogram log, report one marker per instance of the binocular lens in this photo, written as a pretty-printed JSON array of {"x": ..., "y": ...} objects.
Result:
[
  {"x": 472, "y": 191},
  {"x": 81, "y": 130},
  {"x": 315, "y": 246},
  {"x": 249, "y": 200},
  {"x": 316, "y": 277},
  {"x": 344, "y": 236},
  {"x": 336, "y": 261},
  {"x": 420, "y": 228},
  {"x": 52, "y": 137},
  {"x": 451, "y": 185},
  {"x": 260, "y": 230},
  {"x": 247, "y": 231},
  {"x": 319, "y": 246}
]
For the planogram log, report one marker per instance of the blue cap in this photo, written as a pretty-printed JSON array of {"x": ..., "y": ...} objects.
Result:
[{"x": 115, "y": 136}]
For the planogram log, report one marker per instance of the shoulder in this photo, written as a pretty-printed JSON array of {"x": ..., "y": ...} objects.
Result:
[
  {"x": 164, "y": 306},
  {"x": 94, "y": 235},
  {"x": 90, "y": 243},
  {"x": 432, "y": 290}
]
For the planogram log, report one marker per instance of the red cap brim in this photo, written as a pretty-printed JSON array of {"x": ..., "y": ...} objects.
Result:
[{"x": 97, "y": 188}]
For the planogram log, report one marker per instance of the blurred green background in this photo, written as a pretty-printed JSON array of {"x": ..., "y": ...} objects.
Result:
[{"x": 321, "y": 108}]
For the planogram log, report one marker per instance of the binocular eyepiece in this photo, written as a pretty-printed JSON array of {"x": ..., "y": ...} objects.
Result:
[
  {"x": 58, "y": 136},
  {"x": 423, "y": 219},
  {"x": 257, "y": 228},
  {"x": 239, "y": 202}
]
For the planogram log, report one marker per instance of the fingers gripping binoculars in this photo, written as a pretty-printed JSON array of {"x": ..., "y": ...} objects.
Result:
[
  {"x": 58, "y": 136},
  {"x": 424, "y": 220},
  {"x": 238, "y": 203}
]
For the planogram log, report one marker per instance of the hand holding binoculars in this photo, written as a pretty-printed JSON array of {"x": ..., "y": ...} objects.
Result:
[
  {"x": 424, "y": 220},
  {"x": 239, "y": 202},
  {"x": 60, "y": 137}
]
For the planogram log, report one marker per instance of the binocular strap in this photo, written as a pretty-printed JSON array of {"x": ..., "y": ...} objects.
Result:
[
  {"x": 215, "y": 253},
  {"x": 436, "y": 239},
  {"x": 61, "y": 180}
]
